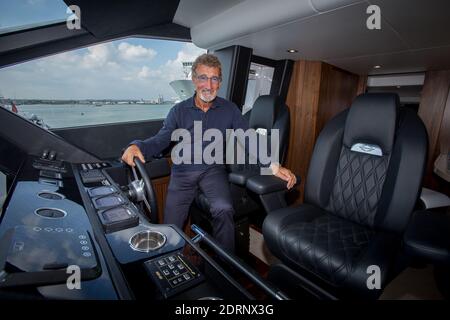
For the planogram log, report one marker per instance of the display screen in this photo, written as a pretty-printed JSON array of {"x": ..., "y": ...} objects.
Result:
[
  {"x": 101, "y": 191},
  {"x": 116, "y": 214},
  {"x": 109, "y": 201}
]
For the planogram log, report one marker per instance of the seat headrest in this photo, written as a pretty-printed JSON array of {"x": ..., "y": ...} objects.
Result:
[
  {"x": 371, "y": 123},
  {"x": 263, "y": 113}
]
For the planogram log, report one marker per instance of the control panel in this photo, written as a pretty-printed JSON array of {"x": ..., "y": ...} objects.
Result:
[
  {"x": 173, "y": 273},
  {"x": 91, "y": 172},
  {"x": 114, "y": 210},
  {"x": 48, "y": 162}
]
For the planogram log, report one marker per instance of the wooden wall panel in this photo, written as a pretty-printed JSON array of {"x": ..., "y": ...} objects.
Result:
[
  {"x": 303, "y": 101},
  {"x": 338, "y": 89},
  {"x": 318, "y": 91},
  {"x": 362, "y": 85},
  {"x": 432, "y": 110},
  {"x": 444, "y": 134},
  {"x": 160, "y": 186}
]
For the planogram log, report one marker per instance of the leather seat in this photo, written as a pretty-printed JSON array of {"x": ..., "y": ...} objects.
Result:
[
  {"x": 363, "y": 181},
  {"x": 269, "y": 112}
]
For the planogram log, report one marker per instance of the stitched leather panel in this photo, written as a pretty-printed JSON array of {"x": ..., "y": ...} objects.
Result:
[
  {"x": 328, "y": 246},
  {"x": 357, "y": 186}
]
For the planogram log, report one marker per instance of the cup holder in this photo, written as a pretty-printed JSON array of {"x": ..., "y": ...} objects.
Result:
[
  {"x": 52, "y": 213},
  {"x": 50, "y": 195},
  {"x": 148, "y": 240}
]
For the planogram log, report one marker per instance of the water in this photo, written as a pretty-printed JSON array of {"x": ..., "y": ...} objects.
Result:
[{"x": 66, "y": 115}]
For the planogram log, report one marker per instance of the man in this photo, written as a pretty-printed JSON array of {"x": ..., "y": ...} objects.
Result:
[{"x": 211, "y": 179}]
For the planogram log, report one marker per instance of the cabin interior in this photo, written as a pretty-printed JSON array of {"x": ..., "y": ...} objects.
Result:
[{"x": 332, "y": 79}]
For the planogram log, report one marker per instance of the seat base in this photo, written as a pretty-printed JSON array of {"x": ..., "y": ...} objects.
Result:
[{"x": 331, "y": 251}]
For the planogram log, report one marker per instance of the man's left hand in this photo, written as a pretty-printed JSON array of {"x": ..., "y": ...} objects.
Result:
[{"x": 285, "y": 174}]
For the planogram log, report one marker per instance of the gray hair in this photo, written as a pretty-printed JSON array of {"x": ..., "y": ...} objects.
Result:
[{"x": 209, "y": 60}]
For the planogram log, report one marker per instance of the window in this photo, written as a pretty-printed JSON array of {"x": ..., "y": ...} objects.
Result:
[
  {"x": 259, "y": 83},
  {"x": 28, "y": 13},
  {"x": 124, "y": 80},
  {"x": 407, "y": 86}
]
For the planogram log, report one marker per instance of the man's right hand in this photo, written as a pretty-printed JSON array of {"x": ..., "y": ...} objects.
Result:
[{"x": 130, "y": 153}]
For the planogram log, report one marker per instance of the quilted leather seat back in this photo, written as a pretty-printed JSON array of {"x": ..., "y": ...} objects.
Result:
[
  {"x": 364, "y": 158},
  {"x": 378, "y": 191},
  {"x": 358, "y": 186}
]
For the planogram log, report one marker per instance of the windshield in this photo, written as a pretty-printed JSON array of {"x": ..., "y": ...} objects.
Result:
[
  {"x": 120, "y": 81},
  {"x": 18, "y": 14}
]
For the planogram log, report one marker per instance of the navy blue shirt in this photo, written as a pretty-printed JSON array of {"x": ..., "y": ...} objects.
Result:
[{"x": 222, "y": 115}]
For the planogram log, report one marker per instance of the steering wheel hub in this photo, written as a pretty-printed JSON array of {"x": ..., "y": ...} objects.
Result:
[{"x": 137, "y": 190}]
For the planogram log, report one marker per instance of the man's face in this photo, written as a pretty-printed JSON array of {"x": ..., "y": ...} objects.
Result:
[{"x": 206, "y": 82}]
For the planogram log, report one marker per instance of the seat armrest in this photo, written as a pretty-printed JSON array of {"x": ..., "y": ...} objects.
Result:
[
  {"x": 240, "y": 178},
  {"x": 267, "y": 184},
  {"x": 433, "y": 199},
  {"x": 426, "y": 236}
]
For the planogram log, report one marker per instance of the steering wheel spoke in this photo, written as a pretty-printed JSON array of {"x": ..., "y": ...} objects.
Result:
[{"x": 141, "y": 189}]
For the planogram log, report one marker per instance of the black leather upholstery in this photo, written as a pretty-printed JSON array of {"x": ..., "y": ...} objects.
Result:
[
  {"x": 335, "y": 250},
  {"x": 357, "y": 204},
  {"x": 268, "y": 112},
  {"x": 240, "y": 176},
  {"x": 372, "y": 119},
  {"x": 357, "y": 186},
  {"x": 427, "y": 236},
  {"x": 266, "y": 184},
  {"x": 264, "y": 112}
]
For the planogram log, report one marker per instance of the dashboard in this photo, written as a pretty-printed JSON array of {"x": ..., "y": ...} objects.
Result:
[{"x": 70, "y": 230}]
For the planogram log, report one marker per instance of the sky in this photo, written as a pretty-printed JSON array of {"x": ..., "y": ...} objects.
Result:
[{"x": 130, "y": 68}]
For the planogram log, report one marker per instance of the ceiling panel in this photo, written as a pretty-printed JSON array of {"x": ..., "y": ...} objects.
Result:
[
  {"x": 247, "y": 18},
  {"x": 337, "y": 34},
  {"x": 414, "y": 35},
  {"x": 409, "y": 61},
  {"x": 420, "y": 23}
]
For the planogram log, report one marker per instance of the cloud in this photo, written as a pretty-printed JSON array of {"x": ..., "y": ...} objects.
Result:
[
  {"x": 173, "y": 68},
  {"x": 144, "y": 73},
  {"x": 130, "y": 52},
  {"x": 97, "y": 56}
]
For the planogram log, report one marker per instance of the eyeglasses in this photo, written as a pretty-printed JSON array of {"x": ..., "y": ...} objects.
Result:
[{"x": 203, "y": 79}]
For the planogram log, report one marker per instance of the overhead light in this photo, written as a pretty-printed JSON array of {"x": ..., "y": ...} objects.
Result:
[
  {"x": 292, "y": 50},
  {"x": 377, "y": 67}
]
